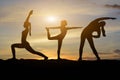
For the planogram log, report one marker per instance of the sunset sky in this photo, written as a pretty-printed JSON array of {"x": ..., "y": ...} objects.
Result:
[{"x": 47, "y": 13}]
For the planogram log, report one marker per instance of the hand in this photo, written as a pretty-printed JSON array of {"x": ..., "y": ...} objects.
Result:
[
  {"x": 47, "y": 28},
  {"x": 113, "y": 18},
  {"x": 30, "y": 34},
  {"x": 104, "y": 35},
  {"x": 94, "y": 36},
  {"x": 31, "y": 12}
]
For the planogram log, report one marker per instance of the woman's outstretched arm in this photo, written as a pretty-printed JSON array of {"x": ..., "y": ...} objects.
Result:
[
  {"x": 28, "y": 17},
  {"x": 103, "y": 31},
  {"x": 104, "y": 18},
  {"x": 68, "y": 28},
  {"x": 30, "y": 29},
  {"x": 53, "y": 27}
]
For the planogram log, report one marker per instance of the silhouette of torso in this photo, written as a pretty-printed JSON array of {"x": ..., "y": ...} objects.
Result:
[
  {"x": 25, "y": 32},
  {"x": 24, "y": 35},
  {"x": 63, "y": 32},
  {"x": 92, "y": 27}
]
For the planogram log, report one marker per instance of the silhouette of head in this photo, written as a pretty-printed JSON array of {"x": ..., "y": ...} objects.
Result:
[
  {"x": 63, "y": 23},
  {"x": 102, "y": 23}
]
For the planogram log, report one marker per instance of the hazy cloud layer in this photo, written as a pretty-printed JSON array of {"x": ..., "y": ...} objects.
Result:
[
  {"x": 117, "y": 6},
  {"x": 117, "y": 51}
]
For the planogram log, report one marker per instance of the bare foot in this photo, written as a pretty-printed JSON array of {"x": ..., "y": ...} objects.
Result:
[
  {"x": 46, "y": 58},
  {"x": 80, "y": 59},
  {"x": 47, "y": 28}
]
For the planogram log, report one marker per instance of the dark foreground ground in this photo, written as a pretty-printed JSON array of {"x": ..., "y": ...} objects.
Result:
[{"x": 58, "y": 68}]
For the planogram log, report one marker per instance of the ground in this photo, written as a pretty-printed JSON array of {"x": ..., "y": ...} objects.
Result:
[{"x": 58, "y": 68}]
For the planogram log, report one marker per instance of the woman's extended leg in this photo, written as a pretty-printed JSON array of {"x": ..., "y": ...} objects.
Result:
[
  {"x": 81, "y": 48},
  {"x": 52, "y": 38},
  {"x": 13, "y": 46},
  {"x": 90, "y": 40},
  {"x": 30, "y": 49},
  {"x": 59, "y": 48}
]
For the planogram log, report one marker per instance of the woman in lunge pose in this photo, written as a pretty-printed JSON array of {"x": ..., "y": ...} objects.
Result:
[{"x": 24, "y": 43}]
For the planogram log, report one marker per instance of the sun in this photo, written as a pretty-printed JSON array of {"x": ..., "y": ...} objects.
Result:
[{"x": 51, "y": 19}]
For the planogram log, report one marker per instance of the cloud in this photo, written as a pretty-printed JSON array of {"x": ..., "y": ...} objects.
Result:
[
  {"x": 116, "y": 6},
  {"x": 117, "y": 51}
]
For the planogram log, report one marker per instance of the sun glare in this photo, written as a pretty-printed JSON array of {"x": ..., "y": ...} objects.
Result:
[{"x": 51, "y": 18}]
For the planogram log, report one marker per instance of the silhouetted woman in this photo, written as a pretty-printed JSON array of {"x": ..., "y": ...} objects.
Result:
[
  {"x": 97, "y": 26},
  {"x": 24, "y": 43},
  {"x": 60, "y": 37}
]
